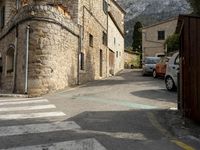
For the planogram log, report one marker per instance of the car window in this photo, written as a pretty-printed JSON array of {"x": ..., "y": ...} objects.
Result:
[
  {"x": 177, "y": 60},
  {"x": 151, "y": 60}
]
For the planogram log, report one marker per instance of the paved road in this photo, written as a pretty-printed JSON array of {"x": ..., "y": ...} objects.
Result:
[{"x": 126, "y": 112}]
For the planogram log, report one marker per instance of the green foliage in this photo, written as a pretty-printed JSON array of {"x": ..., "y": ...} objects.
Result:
[
  {"x": 172, "y": 43},
  {"x": 195, "y": 4},
  {"x": 137, "y": 37}
]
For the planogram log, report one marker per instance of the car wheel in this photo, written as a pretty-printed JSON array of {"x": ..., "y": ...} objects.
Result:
[
  {"x": 154, "y": 74},
  {"x": 169, "y": 82}
]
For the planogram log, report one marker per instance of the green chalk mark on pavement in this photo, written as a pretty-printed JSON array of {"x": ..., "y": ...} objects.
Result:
[{"x": 122, "y": 103}]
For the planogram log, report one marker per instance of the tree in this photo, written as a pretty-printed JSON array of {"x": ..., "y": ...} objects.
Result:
[
  {"x": 137, "y": 37},
  {"x": 195, "y": 4},
  {"x": 172, "y": 43}
]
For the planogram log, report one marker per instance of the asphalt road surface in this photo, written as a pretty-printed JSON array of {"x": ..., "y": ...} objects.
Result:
[{"x": 125, "y": 112}]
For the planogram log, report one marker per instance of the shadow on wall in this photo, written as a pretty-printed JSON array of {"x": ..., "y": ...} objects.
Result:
[
  {"x": 88, "y": 72},
  {"x": 72, "y": 77}
]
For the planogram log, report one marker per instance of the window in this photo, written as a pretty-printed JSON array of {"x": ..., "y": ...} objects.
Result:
[
  {"x": 117, "y": 54},
  {"x": 82, "y": 61},
  {"x": 2, "y": 19},
  {"x": 176, "y": 61},
  {"x": 105, "y": 6},
  {"x": 161, "y": 35},
  {"x": 91, "y": 40},
  {"x": 104, "y": 39},
  {"x": 114, "y": 41},
  {"x": 10, "y": 60}
]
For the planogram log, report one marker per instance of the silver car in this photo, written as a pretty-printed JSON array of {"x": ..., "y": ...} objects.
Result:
[
  {"x": 171, "y": 72},
  {"x": 149, "y": 64}
]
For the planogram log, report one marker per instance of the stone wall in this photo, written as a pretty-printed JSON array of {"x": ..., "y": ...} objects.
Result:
[
  {"x": 92, "y": 53},
  {"x": 131, "y": 60},
  {"x": 118, "y": 14},
  {"x": 53, "y": 49},
  {"x": 94, "y": 22},
  {"x": 7, "y": 78}
]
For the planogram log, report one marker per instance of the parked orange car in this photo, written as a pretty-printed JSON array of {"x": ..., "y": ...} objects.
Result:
[{"x": 160, "y": 68}]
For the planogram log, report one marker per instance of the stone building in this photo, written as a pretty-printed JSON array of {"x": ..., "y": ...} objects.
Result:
[
  {"x": 154, "y": 36},
  {"x": 116, "y": 38},
  {"x": 47, "y": 45}
]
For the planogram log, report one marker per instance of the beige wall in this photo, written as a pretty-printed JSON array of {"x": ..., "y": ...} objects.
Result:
[
  {"x": 150, "y": 43},
  {"x": 116, "y": 44}
]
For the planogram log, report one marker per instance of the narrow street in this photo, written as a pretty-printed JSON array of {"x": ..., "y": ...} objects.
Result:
[{"x": 125, "y": 112}]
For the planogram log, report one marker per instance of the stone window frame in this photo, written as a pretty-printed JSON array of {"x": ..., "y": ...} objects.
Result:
[
  {"x": 91, "y": 40},
  {"x": 161, "y": 35},
  {"x": 10, "y": 51}
]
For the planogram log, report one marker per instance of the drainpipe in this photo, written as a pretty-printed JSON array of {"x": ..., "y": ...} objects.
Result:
[
  {"x": 26, "y": 59},
  {"x": 79, "y": 52}
]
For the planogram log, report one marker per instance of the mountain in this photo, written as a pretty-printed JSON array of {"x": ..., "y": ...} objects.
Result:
[{"x": 149, "y": 12}]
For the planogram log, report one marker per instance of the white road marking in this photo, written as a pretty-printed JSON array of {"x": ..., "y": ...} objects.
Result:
[
  {"x": 38, "y": 107},
  {"x": 24, "y": 102},
  {"x": 21, "y": 99},
  {"x": 86, "y": 144},
  {"x": 31, "y": 115},
  {"x": 37, "y": 128}
]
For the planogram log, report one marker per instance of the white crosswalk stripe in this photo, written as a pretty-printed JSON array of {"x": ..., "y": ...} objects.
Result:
[
  {"x": 24, "y": 102},
  {"x": 86, "y": 144},
  {"x": 31, "y": 115},
  {"x": 24, "y": 108},
  {"x": 38, "y": 128}
]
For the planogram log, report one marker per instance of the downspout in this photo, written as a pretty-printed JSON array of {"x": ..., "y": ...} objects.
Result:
[
  {"x": 26, "y": 59},
  {"x": 107, "y": 65},
  {"x": 79, "y": 54}
]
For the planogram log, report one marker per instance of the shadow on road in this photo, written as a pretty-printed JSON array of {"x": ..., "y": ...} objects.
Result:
[
  {"x": 126, "y": 77},
  {"x": 128, "y": 130},
  {"x": 157, "y": 94}
]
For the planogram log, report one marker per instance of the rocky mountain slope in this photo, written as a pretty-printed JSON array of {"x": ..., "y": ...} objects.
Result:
[{"x": 149, "y": 12}]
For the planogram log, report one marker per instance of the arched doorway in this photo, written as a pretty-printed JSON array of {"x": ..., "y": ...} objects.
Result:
[{"x": 10, "y": 61}]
